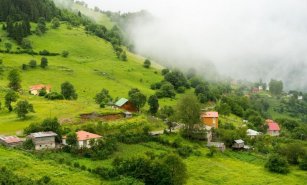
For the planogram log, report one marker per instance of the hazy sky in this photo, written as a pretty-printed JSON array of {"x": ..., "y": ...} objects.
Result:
[{"x": 247, "y": 39}]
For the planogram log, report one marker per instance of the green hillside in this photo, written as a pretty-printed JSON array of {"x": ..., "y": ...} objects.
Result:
[{"x": 91, "y": 66}]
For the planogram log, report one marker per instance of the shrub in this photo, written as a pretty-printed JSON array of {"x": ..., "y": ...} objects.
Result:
[
  {"x": 185, "y": 151},
  {"x": 181, "y": 89},
  {"x": 147, "y": 63},
  {"x": 44, "y": 52},
  {"x": 54, "y": 96},
  {"x": 76, "y": 165},
  {"x": 303, "y": 163},
  {"x": 65, "y": 54},
  {"x": 277, "y": 164},
  {"x": 32, "y": 63}
]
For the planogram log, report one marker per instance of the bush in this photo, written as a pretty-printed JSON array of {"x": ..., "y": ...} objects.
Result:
[
  {"x": 65, "y": 54},
  {"x": 277, "y": 164},
  {"x": 185, "y": 151},
  {"x": 28, "y": 144},
  {"x": 147, "y": 63},
  {"x": 181, "y": 89},
  {"x": 54, "y": 96},
  {"x": 76, "y": 165},
  {"x": 32, "y": 63},
  {"x": 303, "y": 163},
  {"x": 44, "y": 52}
]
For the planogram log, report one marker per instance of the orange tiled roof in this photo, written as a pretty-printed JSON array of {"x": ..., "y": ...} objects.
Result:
[
  {"x": 40, "y": 86},
  {"x": 210, "y": 114}
]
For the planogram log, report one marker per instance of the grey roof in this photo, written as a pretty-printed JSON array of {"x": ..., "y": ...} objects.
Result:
[
  {"x": 239, "y": 141},
  {"x": 43, "y": 134},
  {"x": 121, "y": 102}
]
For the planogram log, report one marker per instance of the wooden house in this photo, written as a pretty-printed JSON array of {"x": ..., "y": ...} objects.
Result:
[
  {"x": 125, "y": 104},
  {"x": 10, "y": 141},
  {"x": 43, "y": 140},
  {"x": 210, "y": 119},
  {"x": 273, "y": 128},
  {"x": 83, "y": 138},
  {"x": 35, "y": 89}
]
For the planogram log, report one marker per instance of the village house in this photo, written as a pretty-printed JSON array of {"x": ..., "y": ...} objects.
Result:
[
  {"x": 273, "y": 128},
  {"x": 43, "y": 140},
  {"x": 10, "y": 141},
  {"x": 210, "y": 119},
  {"x": 300, "y": 97},
  {"x": 83, "y": 138},
  {"x": 35, "y": 89},
  {"x": 125, "y": 104},
  {"x": 252, "y": 133}
]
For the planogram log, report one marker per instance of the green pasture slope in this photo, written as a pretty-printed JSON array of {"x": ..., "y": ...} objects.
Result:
[
  {"x": 91, "y": 66},
  {"x": 229, "y": 168}
]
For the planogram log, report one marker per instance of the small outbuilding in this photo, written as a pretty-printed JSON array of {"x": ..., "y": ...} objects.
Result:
[
  {"x": 10, "y": 141},
  {"x": 43, "y": 140},
  {"x": 238, "y": 144},
  {"x": 128, "y": 114},
  {"x": 125, "y": 104},
  {"x": 35, "y": 89}
]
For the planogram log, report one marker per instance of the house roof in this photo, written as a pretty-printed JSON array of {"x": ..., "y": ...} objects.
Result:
[
  {"x": 273, "y": 126},
  {"x": 239, "y": 141},
  {"x": 251, "y": 132},
  {"x": 210, "y": 114},
  {"x": 10, "y": 139},
  {"x": 40, "y": 86},
  {"x": 83, "y": 135},
  {"x": 121, "y": 102},
  {"x": 43, "y": 134}
]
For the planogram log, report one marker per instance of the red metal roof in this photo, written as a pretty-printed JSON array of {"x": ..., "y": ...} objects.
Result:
[
  {"x": 273, "y": 126},
  {"x": 83, "y": 135},
  {"x": 210, "y": 114},
  {"x": 10, "y": 139},
  {"x": 40, "y": 86}
]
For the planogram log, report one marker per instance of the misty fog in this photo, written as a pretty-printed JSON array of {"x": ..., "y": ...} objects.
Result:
[{"x": 244, "y": 39}]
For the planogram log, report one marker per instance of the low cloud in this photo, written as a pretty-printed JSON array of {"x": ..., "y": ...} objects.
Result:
[{"x": 243, "y": 39}]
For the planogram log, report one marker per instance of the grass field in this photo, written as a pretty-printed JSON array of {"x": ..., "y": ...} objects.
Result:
[
  {"x": 224, "y": 168},
  {"x": 24, "y": 164},
  {"x": 91, "y": 66}
]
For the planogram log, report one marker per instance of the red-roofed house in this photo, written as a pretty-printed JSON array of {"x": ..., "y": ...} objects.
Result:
[
  {"x": 210, "y": 119},
  {"x": 83, "y": 138},
  {"x": 36, "y": 88},
  {"x": 273, "y": 127},
  {"x": 11, "y": 141}
]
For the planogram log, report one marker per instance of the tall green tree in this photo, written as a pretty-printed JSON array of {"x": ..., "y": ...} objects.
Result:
[
  {"x": 188, "y": 111},
  {"x": 103, "y": 98},
  {"x": 276, "y": 87},
  {"x": 23, "y": 108},
  {"x": 41, "y": 26},
  {"x": 55, "y": 23},
  {"x": 44, "y": 62},
  {"x": 72, "y": 139},
  {"x": 147, "y": 63},
  {"x": 11, "y": 96},
  {"x": 153, "y": 103},
  {"x": 14, "y": 80},
  {"x": 137, "y": 98},
  {"x": 68, "y": 91}
]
